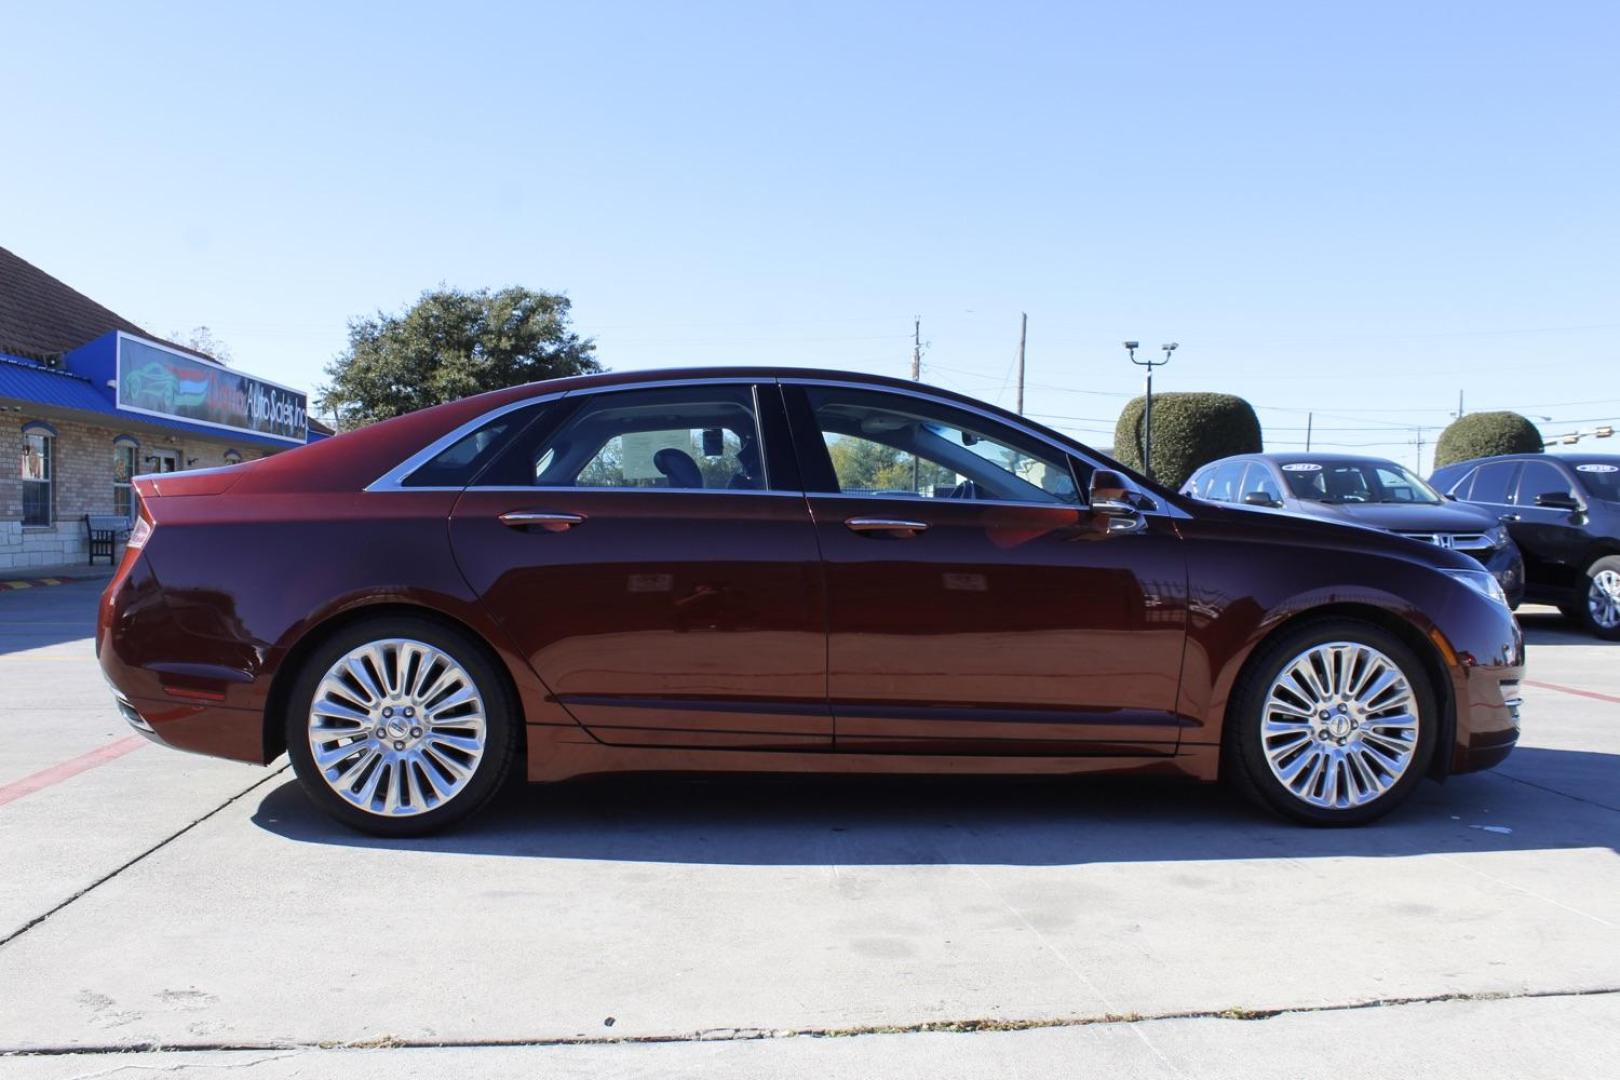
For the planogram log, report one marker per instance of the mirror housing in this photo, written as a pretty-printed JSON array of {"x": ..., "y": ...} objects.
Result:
[
  {"x": 1260, "y": 498},
  {"x": 1557, "y": 500},
  {"x": 1111, "y": 494}
]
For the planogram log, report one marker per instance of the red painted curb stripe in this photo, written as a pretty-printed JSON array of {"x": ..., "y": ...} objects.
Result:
[
  {"x": 71, "y": 767},
  {"x": 1593, "y": 694}
]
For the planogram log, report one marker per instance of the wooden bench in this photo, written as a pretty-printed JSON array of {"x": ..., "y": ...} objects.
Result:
[{"x": 103, "y": 532}]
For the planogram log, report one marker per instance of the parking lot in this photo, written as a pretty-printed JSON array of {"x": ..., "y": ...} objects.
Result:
[{"x": 202, "y": 913}]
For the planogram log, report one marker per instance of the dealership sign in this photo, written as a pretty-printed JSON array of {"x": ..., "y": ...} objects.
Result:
[{"x": 160, "y": 381}]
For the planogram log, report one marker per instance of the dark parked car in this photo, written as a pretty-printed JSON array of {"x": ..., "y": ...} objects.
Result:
[
  {"x": 759, "y": 569},
  {"x": 1374, "y": 492},
  {"x": 1564, "y": 513}
]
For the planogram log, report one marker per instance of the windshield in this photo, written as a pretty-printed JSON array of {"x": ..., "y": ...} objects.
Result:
[
  {"x": 1600, "y": 478},
  {"x": 1360, "y": 482}
]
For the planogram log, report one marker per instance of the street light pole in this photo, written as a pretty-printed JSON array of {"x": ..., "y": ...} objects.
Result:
[{"x": 1147, "y": 403}]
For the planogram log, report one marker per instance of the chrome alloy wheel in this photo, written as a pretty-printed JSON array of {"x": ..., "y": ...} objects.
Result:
[
  {"x": 397, "y": 727},
  {"x": 1340, "y": 725},
  {"x": 1603, "y": 599}
]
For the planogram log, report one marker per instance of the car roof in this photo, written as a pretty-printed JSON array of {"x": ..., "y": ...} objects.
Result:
[
  {"x": 1295, "y": 457},
  {"x": 1572, "y": 459}
]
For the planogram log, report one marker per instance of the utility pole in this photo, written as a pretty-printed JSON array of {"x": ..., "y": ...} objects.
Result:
[
  {"x": 916, "y": 349},
  {"x": 1459, "y": 404},
  {"x": 1023, "y": 332},
  {"x": 1308, "y": 418},
  {"x": 1419, "y": 463}
]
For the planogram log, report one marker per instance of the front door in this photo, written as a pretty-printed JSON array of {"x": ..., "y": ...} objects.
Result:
[
  {"x": 658, "y": 568},
  {"x": 1552, "y": 539},
  {"x": 975, "y": 604}
]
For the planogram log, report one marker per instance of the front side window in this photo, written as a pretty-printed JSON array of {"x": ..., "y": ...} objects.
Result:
[
  {"x": 1225, "y": 482},
  {"x": 904, "y": 447},
  {"x": 1259, "y": 481},
  {"x": 689, "y": 438},
  {"x": 1542, "y": 478},
  {"x": 124, "y": 452},
  {"x": 37, "y": 465}
]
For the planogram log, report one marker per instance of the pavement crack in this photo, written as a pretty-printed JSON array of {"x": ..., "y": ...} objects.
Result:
[
  {"x": 160, "y": 845},
  {"x": 1239, "y": 1014}
]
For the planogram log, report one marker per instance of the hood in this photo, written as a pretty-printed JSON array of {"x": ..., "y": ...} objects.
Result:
[
  {"x": 1340, "y": 532},
  {"x": 1398, "y": 517}
]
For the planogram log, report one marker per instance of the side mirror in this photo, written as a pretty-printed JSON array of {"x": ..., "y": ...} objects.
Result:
[
  {"x": 1111, "y": 495},
  {"x": 1260, "y": 498},
  {"x": 1557, "y": 500}
]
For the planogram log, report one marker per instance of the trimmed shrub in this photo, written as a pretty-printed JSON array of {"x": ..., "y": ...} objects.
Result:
[
  {"x": 1189, "y": 430},
  {"x": 1484, "y": 434}
]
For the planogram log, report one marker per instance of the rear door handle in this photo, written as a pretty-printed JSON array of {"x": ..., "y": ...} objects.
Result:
[
  {"x": 547, "y": 520},
  {"x": 903, "y": 528}
]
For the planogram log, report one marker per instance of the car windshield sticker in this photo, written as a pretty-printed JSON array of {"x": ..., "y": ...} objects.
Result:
[
  {"x": 1597, "y": 468},
  {"x": 1302, "y": 466}
]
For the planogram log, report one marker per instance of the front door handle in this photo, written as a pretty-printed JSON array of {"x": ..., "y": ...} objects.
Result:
[
  {"x": 547, "y": 520},
  {"x": 902, "y": 528}
]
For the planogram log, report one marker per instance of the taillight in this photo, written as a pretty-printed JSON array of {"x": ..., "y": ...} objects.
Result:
[{"x": 143, "y": 526}]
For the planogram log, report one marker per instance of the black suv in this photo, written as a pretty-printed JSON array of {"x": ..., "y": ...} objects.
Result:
[
  {"x": 1564, "y": 513},
  {"x": 1357, "y": 490}
]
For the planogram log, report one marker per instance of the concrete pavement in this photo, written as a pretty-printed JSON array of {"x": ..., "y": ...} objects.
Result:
[{"x": 158, "y": 899}]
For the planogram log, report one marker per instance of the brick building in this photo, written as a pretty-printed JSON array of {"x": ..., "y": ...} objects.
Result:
[{"x": 88, "y": 399}]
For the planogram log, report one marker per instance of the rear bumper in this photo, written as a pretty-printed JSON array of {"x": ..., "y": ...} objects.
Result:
[{"x": 186, "y": 706}]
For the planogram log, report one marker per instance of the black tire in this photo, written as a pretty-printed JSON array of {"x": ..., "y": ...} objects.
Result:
[
  {"x": 489, "y": 770},
  {"x": 1243, "y": 758},
  {"x": 1580, "y": 609}
]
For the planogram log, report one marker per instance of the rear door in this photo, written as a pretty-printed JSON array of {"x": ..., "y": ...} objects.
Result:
[
  {"x": 658, "y": 567},
  {"x": 975, "y": 604}
]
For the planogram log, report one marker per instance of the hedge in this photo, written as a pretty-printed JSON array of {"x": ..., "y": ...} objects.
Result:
[
  {"x": 1483, "y": 434},
  {"x": 1189, "y": 430}
]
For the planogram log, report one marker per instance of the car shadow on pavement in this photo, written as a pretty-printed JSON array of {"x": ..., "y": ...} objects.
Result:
[
  {"x": 1551, "y": 628},
  {"x": 793, "y": 820}
]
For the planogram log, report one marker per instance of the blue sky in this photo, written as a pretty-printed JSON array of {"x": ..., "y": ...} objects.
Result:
[{"x": 1356, "y": 209}]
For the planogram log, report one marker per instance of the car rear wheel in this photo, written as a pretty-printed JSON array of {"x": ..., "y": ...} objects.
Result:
[
  {"x": 1599, "y": 609},
  {"x": 1333, "y": 723},
  {"x": 400, "y": 726}
]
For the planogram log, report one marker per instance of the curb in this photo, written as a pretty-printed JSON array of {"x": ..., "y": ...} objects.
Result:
[{"x": 31, "y": 583}]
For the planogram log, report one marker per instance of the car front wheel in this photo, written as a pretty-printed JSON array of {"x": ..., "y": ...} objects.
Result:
[
  {"x": 1333, "y": 723},
  {"x": 400, "y": 726},
  {"x": 1599, "y": 609}
]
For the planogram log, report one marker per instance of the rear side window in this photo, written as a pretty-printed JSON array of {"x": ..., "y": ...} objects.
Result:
[
  {"x": 700, "y": 437},
  {"x": 1493, "y": 482},
  {"x": 457, "y": 464}
]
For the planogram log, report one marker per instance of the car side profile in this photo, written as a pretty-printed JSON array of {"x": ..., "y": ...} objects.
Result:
[
  {"x": 1564, "y": 513},
  {"x": 1371, "y": 491},
  {"x": 756, "y": 569}
]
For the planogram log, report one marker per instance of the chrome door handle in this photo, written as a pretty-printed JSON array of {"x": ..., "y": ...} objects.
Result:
[
  {"x": 901, "y": 527},
  {"x": 548, "y": 520}
]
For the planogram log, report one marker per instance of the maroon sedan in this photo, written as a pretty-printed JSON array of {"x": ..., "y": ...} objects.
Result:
[{"x": 771, "y": 570}]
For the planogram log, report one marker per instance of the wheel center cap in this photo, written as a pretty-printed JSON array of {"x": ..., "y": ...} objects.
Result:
[
  {"x": 398, "y": 728},
  {"x": 1339, "y": 726}
]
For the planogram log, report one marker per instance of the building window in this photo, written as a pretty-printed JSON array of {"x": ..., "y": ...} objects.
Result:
[
  {"x": 37, "y": 452},
  {"x": 124, "y": 451}
]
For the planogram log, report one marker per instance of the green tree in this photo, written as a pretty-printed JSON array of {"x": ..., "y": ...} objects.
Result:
[
  {"x": 1484, "y": 434},
  {"x": 448, "y": 345},
  {"x": 1189, "y": 430}
]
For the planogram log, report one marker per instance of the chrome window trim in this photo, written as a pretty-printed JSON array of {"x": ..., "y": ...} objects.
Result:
[
  {"x": 1160, "y": 508},
  {"x": 556, "y": 490},
  {"x": 393, "y": 479},
  {"x": 928, "y": 500}
]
